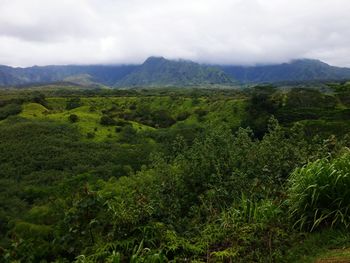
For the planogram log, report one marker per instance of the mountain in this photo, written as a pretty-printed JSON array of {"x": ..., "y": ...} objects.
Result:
[
  {"x": 296, "y": 70},
  {"x": 102, "y": 74},
  {"x": 155, "y": 71},
  {"x": 158, "y": 71}
]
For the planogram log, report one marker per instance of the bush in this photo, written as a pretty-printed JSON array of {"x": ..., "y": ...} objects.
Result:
[
  {"x": 319, "y": 194},
  {"x": 38, "y": 97},
  {"x": 182, "y": 116},
  {"x": 90, "y": 135},
  {"x": 309, "y": 98},
  {"x": 128, "y": 134},
  {"x": 73, "y": 118},
  {"x": 106, "y": 120},
  {"x": 201, "y": 112},
  {"x": 132, "y": 107},
  {"x": 73, "y": 103},
  {"x": 9, "y": 109},
  {"x": 162, "y": 118},
  {"x": 121, "y": 122}
]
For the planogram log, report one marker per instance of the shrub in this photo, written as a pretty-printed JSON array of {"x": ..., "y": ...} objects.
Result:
[
  {"x": 319, "y": 194},
  {"x": 128, "y": 134},
  {"x": 201, "y": 112},
  {"x": 92, "y": 109},
  {"x": 163, "y": 119},
  {"x": 38, "y": 97},
  {"x": 132, "y": 107},
  {"x": 9, "y": 109},
  {"x": 106, "y": 120},
  {"x": 182, "y": 116},
  {"x": 73, "y": 103},
  {"x": 73, "y": 118},
  {"x": 90, "y": 135},
  {"x": 121, "y": 122}
]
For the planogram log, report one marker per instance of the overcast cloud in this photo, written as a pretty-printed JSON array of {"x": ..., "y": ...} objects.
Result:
[{"x": 41, "y": 32}]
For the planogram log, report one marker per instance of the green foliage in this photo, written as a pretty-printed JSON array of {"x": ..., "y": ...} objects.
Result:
[
  {"x": 342, "y": 92},
  {"x": 247, "y": 224},
  {"x": 175, "y": 180},
  {"x": 128, "y": 134},
  {"x": 163, "y": 119},
  {"x": 90, "y": 135},
  {"x": 319, "y": 194},
  {"x": 309, "y": 98},
  {"x": 9, "y": 109},
  {"x": 250, "y": 211},
  {"x": 260, "y": 108},
  {"x": 38, "y": 97},
  {"x": 106, "y": 120},
  {"x": 182, "y": 116},
  {"x": 317, "y": 245},
  {"x": 297, "y": 104},
  {"x": 73, "y": 118},
  {"x": 73, "y": 103}
]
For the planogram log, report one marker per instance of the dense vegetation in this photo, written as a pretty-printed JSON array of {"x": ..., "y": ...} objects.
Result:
[{"x": 257, "y": 175}]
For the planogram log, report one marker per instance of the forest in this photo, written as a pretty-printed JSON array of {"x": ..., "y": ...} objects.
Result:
[{"x": 259, "y": 174}]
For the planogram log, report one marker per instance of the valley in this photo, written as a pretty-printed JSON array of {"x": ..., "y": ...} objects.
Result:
[{"x": 158, "y": 175}]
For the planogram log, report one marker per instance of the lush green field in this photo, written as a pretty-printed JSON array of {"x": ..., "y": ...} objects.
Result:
[
  {"x": 259, "y": 175},
  {"x": 90, "y": 110}
]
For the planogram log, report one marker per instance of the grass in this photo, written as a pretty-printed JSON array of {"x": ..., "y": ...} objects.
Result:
[
  {"x": 90, "y": 112},
  {"x": 33, "y": 110},
  {"x": 89, "y": 122},
  {"x": 324, "y": 246},
  {"x": 334, "y": 255},
  {"x": 319, "y": 195}
]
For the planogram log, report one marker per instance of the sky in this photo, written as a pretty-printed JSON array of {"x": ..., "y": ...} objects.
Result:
[{"x": 241, "y": 32}]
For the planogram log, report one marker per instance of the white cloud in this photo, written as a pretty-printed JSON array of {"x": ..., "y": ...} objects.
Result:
[{"x": 209, "y": 31}]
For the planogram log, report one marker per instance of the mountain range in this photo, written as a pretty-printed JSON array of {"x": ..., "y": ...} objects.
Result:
[
  {"x": 296, "y": 70},
  {"x": 158, "y": 71}
]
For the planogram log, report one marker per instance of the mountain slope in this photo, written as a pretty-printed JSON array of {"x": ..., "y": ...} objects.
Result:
[
  {"x": 103, "y": 74},
  {"x": 158, "y": 71},
  {"x": 296, "y": 70}
]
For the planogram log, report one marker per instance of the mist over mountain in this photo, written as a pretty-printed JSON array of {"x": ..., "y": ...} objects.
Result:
[
  {"x": 158, "y": 71},
  {"x": 103, "y": 74},
  {"x": 296, "y": 70}
]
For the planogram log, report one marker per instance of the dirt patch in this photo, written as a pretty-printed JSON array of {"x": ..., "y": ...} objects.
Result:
[
  {"x": 336, "y": 256},
  {"x": 333, "y": 260}
]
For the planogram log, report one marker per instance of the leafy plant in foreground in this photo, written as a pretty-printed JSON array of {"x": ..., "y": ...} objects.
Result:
[{"x": 319, "y": 194}]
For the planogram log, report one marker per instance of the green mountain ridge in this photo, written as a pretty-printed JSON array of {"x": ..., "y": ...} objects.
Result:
[
  {"x": 158, "y": 71},
  {"x": 295, "y": 70}
]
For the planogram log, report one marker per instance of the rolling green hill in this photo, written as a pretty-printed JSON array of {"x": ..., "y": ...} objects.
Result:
[{"x": 175, "y": 175}]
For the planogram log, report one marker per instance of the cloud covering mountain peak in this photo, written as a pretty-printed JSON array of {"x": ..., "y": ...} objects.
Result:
[{"x": 207, "y": 31}]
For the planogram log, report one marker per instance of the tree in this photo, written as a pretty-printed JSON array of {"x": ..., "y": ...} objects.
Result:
[
  {"x": 73, "y": 103},
  {"x": 106, "y": 120},
  {"x": 73, "y": 118},
  {"x": 128, "y": 134}
]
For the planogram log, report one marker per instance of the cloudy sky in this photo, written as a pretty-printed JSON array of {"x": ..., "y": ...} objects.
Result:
[{"x": 41, "y": 32}]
